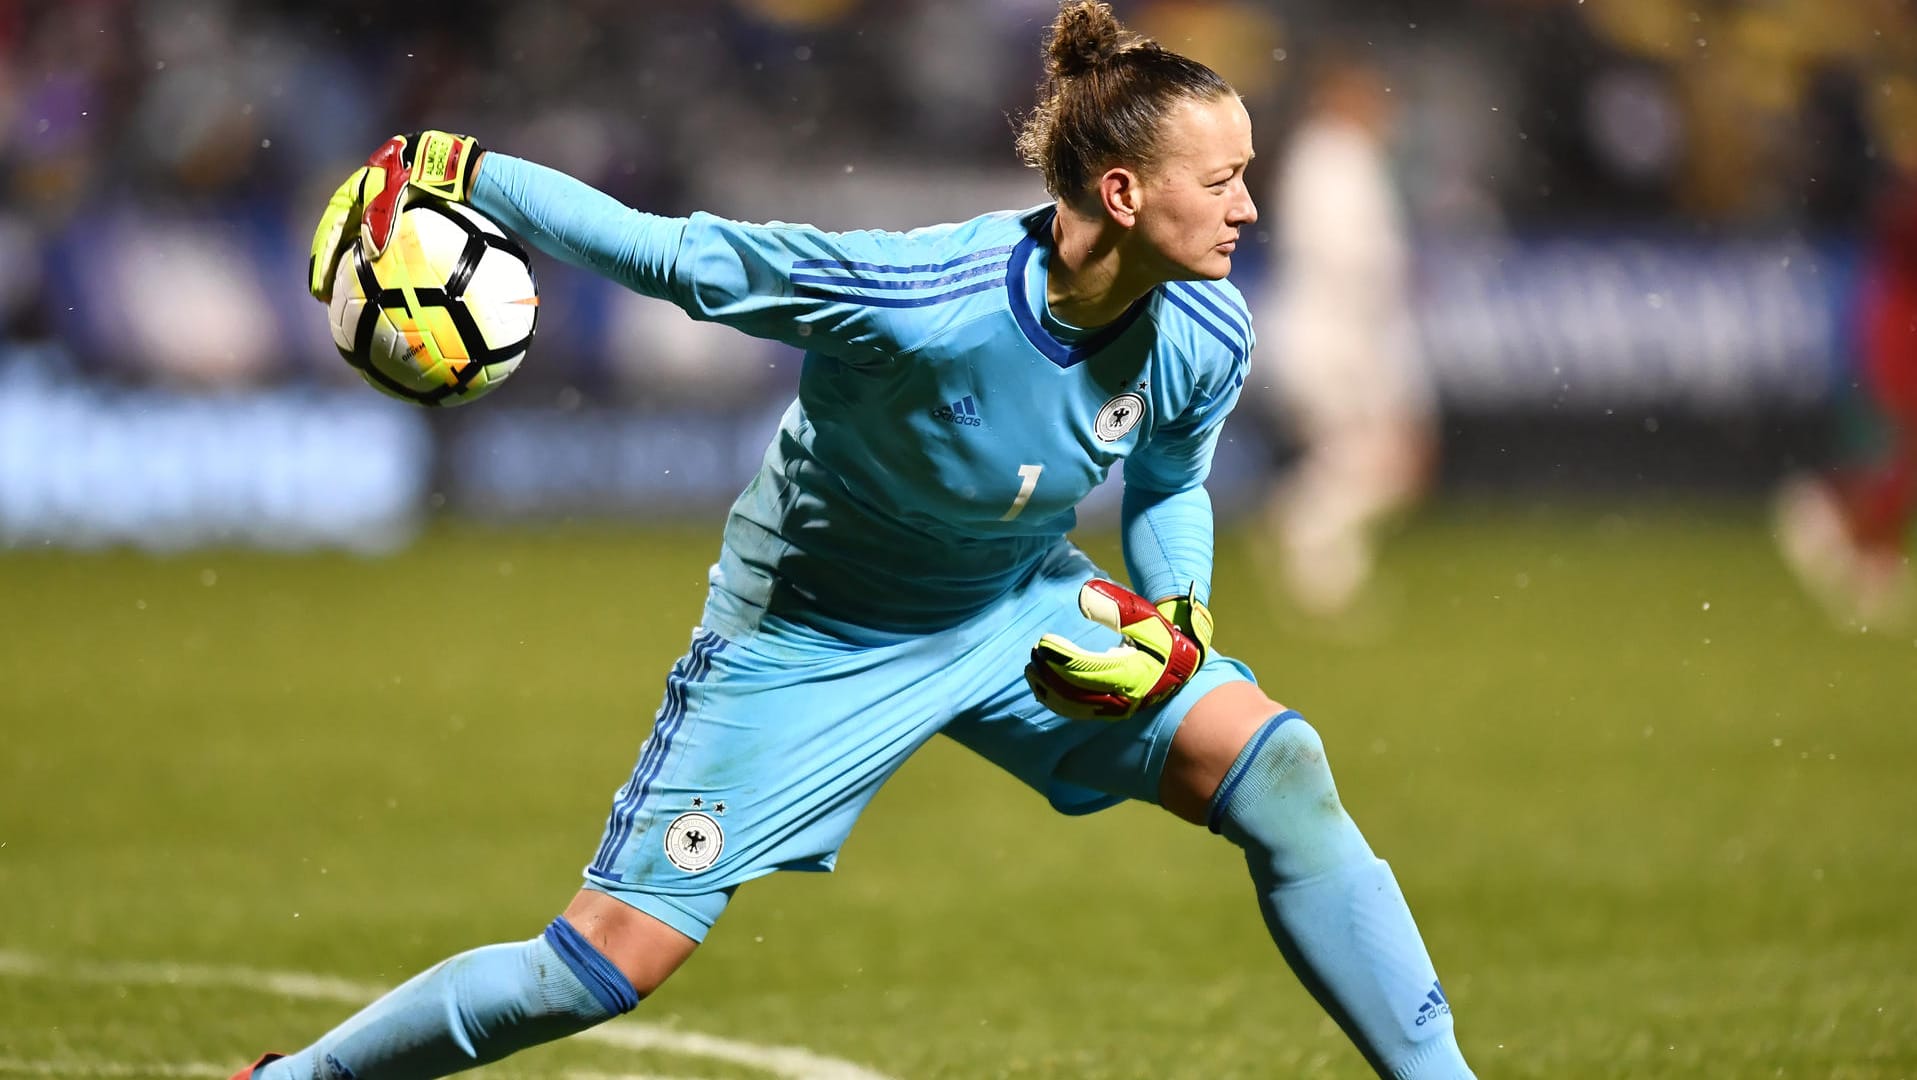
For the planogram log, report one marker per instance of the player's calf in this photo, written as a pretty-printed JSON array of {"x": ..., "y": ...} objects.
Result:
[
  {"x": 475, "y": 1008},
  {"x": 1333, "y": 907}
]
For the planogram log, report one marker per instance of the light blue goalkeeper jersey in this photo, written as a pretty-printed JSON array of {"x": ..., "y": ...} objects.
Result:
[{"x": 946, "y": 424}]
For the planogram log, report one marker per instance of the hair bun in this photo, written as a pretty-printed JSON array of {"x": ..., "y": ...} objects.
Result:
[{"x": 1085, "y": 35}]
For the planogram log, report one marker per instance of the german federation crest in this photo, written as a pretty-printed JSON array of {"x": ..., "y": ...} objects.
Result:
[
  {"x": 1118, "y": 416},
  {"x": 693, "y": 841}
]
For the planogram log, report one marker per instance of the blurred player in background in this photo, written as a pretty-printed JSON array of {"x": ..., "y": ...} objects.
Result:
[
  {"x": 1843, "y": 533},
  {"x": 885, "y": 576},
  {"x": 1346, "y": 378}
]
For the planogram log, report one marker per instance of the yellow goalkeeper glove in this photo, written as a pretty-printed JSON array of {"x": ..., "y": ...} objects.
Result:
[
  {"x": 1163, "y": 646},
  {"x": 368, "y": 204}
]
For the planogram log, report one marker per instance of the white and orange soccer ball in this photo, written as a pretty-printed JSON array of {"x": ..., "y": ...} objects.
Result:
[{"x": 444, "y": 315}]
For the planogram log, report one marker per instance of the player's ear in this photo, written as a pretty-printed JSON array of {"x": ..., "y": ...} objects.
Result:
[{"x": 1119, "y": 193}]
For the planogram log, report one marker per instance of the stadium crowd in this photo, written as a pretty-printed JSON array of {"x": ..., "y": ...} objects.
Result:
[{"x": 1516, "y": 113}]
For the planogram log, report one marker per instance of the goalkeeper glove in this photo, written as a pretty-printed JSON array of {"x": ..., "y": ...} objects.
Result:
[
  {"x": 369, "y": 203},
  {"x": 1163, "y": 646}
]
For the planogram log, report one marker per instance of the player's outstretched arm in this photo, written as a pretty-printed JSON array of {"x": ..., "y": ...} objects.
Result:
[
  {"x": 723, "y": 271},
  {"x": 736, "y": 273},
  {"x": 566, "y": 218}
]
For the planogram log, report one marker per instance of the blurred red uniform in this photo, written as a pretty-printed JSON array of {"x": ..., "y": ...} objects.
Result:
[
  {"x": 1879, "y": 499},
  {"x": 1844, "y": 534}
]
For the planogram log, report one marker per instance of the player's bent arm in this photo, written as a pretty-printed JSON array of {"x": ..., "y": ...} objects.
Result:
[
  {"x": 1166, "y": 517},
  {"x": 1168, "y": 541},
  {"x": 723, "y": 271}
]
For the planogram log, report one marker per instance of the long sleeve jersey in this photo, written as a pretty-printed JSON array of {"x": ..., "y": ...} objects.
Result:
[{"x": 947, "y": 425}]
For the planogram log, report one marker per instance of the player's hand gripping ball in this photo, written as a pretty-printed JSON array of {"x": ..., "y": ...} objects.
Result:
[
  {"x": 1162, "y": 647},
  {"x": 429, "y": 299}
]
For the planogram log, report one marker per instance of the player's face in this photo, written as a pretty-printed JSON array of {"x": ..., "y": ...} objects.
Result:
[{"x": 1195, "y": 196}]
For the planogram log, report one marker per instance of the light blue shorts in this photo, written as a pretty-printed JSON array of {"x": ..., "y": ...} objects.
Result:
[{"x": 769, "y": 745}]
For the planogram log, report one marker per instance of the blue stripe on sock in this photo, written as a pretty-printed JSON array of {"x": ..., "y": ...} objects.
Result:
[
  {"x": 1238, "y": 767},
  {"x": 609, "y": 985}
]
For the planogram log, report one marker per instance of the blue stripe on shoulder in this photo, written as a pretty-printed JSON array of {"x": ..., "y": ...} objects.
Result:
[
  {"x": 1232, "y": 306},
  {"x": 1238, "y": 340},
  {"x": 1237, "y": 381},
  {"x": 608, "y": 985},
  {"x": 1232, "y": 344},
  {"x": 880, "y": 268}
]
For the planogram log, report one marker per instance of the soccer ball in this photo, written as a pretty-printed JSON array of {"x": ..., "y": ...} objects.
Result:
[{"x": 444, "y": 314}]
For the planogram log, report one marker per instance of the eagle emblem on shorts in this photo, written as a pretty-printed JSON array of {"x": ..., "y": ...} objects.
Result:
[
  {"x": 693, "y": 841},
  {"x": 1118, "y": 416}
]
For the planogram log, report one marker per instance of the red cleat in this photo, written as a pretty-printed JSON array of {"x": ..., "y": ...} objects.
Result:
[{"x": 247, "y": 1073}]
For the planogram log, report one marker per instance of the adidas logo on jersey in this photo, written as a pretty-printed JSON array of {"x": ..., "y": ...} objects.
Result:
[
  {"x": 963, "y": 412},
  {"x": 1433, "y": 1006}
]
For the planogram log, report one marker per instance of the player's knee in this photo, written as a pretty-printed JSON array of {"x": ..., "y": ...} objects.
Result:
[
  {"x": 640, "y": 948},
  {"x": 608, "y": 991},
  {"x": 1279, "y": 803}
]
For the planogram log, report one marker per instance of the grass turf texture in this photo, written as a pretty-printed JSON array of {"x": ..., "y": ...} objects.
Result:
[{"x": 1654, "y": 815}]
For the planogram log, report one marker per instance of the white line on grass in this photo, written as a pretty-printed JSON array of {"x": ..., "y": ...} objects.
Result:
[
  {"x": 98, "y": 1069},
  {"x": 105, "y": 1069},
  {"x": 17, "y": 1066},
  {"x": 786, "y": 1062}
]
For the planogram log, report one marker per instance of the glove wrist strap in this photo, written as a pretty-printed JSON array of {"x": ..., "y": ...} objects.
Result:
[
  {"x": 1190, "y": 615},
  {"x": 443, "y": 165}
]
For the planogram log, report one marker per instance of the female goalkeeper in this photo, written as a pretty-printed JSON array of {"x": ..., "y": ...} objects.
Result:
[{"x": 898, "y": 568}]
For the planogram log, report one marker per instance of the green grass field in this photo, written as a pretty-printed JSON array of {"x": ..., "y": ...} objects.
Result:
[{"x": 1656, "y": 816}]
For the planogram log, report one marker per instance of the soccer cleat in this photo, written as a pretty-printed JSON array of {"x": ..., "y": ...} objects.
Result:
[
  {"x": 1886, "y": 596},
  {"x": 1808, "y": 520},
  {"x": 247, "y": 1073}
]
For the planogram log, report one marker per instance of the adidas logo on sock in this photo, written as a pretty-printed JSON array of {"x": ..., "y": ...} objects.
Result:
[
  {"x": 1433, "y": 1006},
  {"x": 963, "y": 412}
]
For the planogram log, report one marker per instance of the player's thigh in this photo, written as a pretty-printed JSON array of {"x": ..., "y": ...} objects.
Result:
[
  {"x": 1206, "y": 744},
  {"x": 1078, "y": 765},
  {"x": 644, "y": 949},
  {"x": 761, "y": 757},
  {"x": 1133, "y": 758}
]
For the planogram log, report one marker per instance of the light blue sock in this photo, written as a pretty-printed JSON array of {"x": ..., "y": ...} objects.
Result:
[
  {"x": 1333, "y": 907},
  {"x": 477, "y": 1007}
]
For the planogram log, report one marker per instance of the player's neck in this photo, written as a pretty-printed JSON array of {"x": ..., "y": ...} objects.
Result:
[{"x": 1088, "y": 284}]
